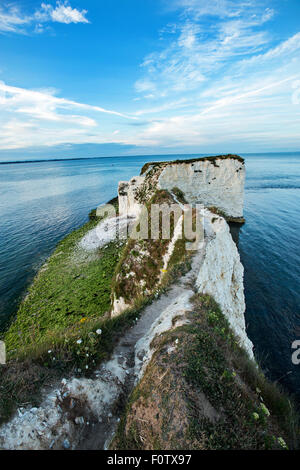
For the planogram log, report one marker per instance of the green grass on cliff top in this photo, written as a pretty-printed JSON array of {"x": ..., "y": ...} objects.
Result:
[
  {"x": 72, "y": 288},
  {"x": 212, "y": 159}
]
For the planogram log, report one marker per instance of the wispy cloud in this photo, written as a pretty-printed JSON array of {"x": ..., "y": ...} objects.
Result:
[
  {"x": 16, "y": 97},
  {"x": 11, "y": 20},
  {"x": 182, "y": 103},
  {"x": 223, "y": 9},
  {"x": 196, "y": 50},
  {"x": 217, "y": 80},
  {"x": 15, "y": 20},
  {"x": 39, "y": 116},
  {"x": 236, "y": 80},
  {"x": 282, "y": 50}
]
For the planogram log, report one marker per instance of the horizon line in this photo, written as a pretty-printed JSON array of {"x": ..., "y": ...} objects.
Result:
[{"x": 10, "y": 162}]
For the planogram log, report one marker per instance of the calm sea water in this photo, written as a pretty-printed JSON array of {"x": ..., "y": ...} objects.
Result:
[{"x": 41, "y": 202}]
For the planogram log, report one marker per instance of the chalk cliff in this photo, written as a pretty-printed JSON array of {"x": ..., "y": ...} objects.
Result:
[
  {"x": 221, "y": 276},
  {"x": 187, "y": 343},
  {"x": 211, "y": 181},
  {"x": 216, "y": 183}
]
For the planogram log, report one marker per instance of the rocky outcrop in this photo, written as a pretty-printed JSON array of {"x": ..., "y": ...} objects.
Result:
[
  {"x": 216, "y": 183},
  {"x": 212, "y": 181},
  {"x": 128, "y": 196}
]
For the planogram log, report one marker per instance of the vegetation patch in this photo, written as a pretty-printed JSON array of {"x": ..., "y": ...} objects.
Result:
[
  {"x": 114, "y": 202},
  {"x": 72, "y": 286},
  {"x": 179, "y": 195},
  {"x": 139, "y": 269},
  {"x": 77, "y": 351},
  {"x": 212, "y": 159},
  {"x": 228, "y": 218},
  {"x": 217, "y": 211},
  {"x": 62, "y": 326},
  {"x": 201, "y": 391},
  {"x": 20, "y": 384},
  {"x": 149, "y": 186}
]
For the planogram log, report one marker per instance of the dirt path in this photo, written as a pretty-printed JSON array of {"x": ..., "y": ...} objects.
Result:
[
  {"x": 125, "y": 358},
  {"x": 133, "y": 352}
]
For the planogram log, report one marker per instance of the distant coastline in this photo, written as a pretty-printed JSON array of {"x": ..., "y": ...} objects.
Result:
[
  {"x": 50, "y": 160},
  {"x": 185, "y": 155},
  {"x": 95, "y": 158}
]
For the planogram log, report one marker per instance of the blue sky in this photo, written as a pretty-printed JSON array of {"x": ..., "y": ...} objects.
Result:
[{"x": 121, "y": 77}]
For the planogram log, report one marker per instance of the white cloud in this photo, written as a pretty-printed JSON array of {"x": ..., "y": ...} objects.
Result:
[
  {"x": 225, "y": 9},
  {"x": 39, "y": 117},
  {"x": 62, "y": 13},
  {"x": 285, "y": 48},
  {"x": 218, "y": 79},
  {"x": 14, "y": 20},
  {"x": 234, "y": 79},
  {"x": 44, "y": 100},
  {"x": 11, "y": 20},
  {"x": 144, "y": 85},
  {"x": 198, "y": 8},
  {"x": 208, "y": 36},
  {"x": 257, "y": 113},
  {"x": 165, "y": 107}
]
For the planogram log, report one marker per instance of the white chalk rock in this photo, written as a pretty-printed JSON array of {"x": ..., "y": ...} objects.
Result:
[{"x": 221, "y": 276}]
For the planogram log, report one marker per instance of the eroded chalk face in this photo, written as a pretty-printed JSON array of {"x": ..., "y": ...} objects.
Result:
[
  {"x": 2, "y": 353},
  {"x": 214, "y": 183}
]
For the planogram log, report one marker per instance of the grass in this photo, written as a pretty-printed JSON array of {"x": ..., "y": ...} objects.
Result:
[
  {"x": 72, "y": 287},
  {"x": 206, "y": 394},
  {"x": 21, "y": 384},
  {"x": 228, "y": 218},
  {"x": 217, "y": 211},
  {"x": 179, "y": 194},
  {"x": 139, "y": 269},
  {"x": 62, "y": 326},
  {"x": 62, "y": 301},
  {"x": 212, "y": 159}
]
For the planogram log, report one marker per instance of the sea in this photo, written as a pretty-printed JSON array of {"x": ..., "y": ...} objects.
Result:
[{"x": 41, "y": 202}]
